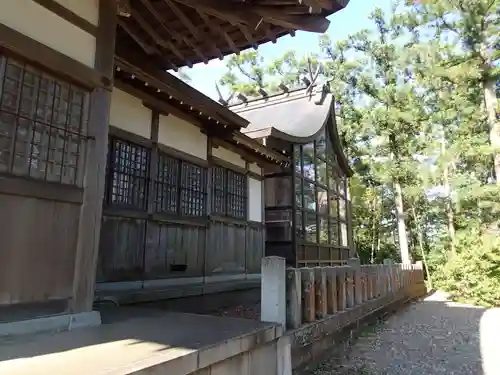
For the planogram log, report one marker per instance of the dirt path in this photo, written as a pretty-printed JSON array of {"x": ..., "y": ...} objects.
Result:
[{"x": 426, "y": 338}]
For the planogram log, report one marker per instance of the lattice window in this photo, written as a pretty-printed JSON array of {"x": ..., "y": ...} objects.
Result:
[
  {"x": 43, "y": 124},
  {"x": 230, "y": 193},
  {"x": 128, "y": 167},
  {"x": 167, "y": 185},
  {"x": 180, "y": 187},
  {"x": 236, "y": 194},
  {"x": 219, "y": 190},
  {"x": 193, "y": 190}
]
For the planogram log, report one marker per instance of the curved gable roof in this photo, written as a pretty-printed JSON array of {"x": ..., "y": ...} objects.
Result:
[{"x": 297, "y": 116}]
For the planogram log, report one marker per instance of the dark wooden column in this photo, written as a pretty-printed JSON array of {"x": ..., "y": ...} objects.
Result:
[{"x": 91, "y": 212}]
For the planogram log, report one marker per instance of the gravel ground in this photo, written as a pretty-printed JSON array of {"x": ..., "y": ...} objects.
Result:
[{"x": 430, "y": 337}]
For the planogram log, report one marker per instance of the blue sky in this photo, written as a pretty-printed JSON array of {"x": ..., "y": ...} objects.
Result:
[{"x": 348, "y": 21}]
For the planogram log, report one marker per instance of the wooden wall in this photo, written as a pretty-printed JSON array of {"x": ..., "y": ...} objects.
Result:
[
  {"x": 38, "y": 242},
  {"x": 40, "y": 224},
  {"x": 138, "y": 249},
  {"x": 142, "y": 246}
]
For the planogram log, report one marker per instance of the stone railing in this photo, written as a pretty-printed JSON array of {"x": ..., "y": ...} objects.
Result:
[{"x": 295, "y": 297}]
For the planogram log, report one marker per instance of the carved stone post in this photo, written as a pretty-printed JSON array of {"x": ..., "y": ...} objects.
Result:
[
  {"x": 357, "y": 281},
  {"x": 320, "y": 292},
  {"x": 308, "y": 295},
  {"x": 331, "y": 290},
  {"x": 294, "y": 298},
  {"x": 389, "y": 270},
  {"x": 350, "y": 287},
  {"x": 341, "y": 288}
]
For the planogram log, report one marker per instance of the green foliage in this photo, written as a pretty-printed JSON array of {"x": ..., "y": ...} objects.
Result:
[
  {"x": 473, "y": 274},
  {"x": 418, "y": 118}
]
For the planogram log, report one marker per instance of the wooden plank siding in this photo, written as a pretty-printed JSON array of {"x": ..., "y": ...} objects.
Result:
[
  {"x": 36, "y": 257},
  {"x": 51, "y": 181},
  {"x": 141, "y": 244}
]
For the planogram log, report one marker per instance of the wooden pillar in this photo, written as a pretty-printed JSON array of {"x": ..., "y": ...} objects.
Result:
[
  {"x": 350, "y": 287},
  {"x": 331, "y": 290},
  {"x": 308, "y": 295},
  {"x": 294, "y": 298},
  {"x": 320, "y": 292},
  {"x": 95, "y": 173}
]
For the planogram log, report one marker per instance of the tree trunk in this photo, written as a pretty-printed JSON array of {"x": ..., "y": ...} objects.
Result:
[
  {"x": 448, "y": 202},
  {"x": 490, "y": 102},
  {"x": 400, "y": 217},
  {"x": 421, "y": 246}
]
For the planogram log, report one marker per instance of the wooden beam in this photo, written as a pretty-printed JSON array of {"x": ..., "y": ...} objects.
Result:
[
  {"x": 331, "y": 5},
  {"x": 215, "y": 27},
  {"x": 248, "y": 36},
  {"x": 147, "y": 47},
  {"x": 157, "y": 37},
  {"x": 169, "y": 31},
  {"x": 150, "y": 72},
  {"x": 226, "y": 11},
  {"x": 156, "y": 103},
  {"x": 68, "y": 15},
  {"x": 55, "y": 61},
  {"x": 192, "y": 28},
  {"x": 250, "y": 14}
]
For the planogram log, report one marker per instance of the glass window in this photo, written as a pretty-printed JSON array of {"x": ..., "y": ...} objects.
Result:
[
  {"x": 311, "y": 228},
  {"x": 321, "y": 167},
  {"x": 323, "y": 230},
  {"x": 180, "y": 187},
  {"x": 334, "y": 232},
  {"x": 278, "y": 191},
  {"x": 334, "y": 206},
  {"x": 167, "y": 185},
  {"x": 320, "y": 183},
  {"x": 309, "y": 196},
  {"x": 298, "y": 192},
  {"x": 43, "y": 124},
  {"x": 127, "y": 175},
  {"x": 298, "y": 159},
  {"x": 192, "y": 190},
  {"x": 229, "y": 193},
  {"x": 322, "y": 197},
  {"x": 308, "y": 160},
  {"x": 321, "y": 146}
]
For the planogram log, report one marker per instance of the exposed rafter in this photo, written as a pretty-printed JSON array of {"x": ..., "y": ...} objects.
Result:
[
  {"x": 186, "y": 32},
  {"x": 155, "y": 36},
  {"x": 216, "y": 29},
  {"x": 147, "y": 47},
  {"x": 168, "y": 30},
  {"x": 192, "y": 28},
  {"x": 249, "y": 15},
  {"x": 325, "y": 4}
]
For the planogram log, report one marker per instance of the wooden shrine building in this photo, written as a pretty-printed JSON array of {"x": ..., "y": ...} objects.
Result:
[
  {"x": 307, "y": 205},
  {"x": 111, "y": 169}
]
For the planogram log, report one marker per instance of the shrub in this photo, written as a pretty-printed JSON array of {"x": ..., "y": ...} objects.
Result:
[{"x": 473, "y": 275}]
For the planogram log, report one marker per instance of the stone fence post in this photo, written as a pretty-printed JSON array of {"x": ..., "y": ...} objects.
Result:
[
  {"x": 320, "y": 292},
  {"x": 273, "y": 290},
  {"x": 388, "y": 263},
  {"x": 331, "y": 290},
  {"x": 294, "y": 298},
  {"x": 357, "y": 281},
  {"x": 308, "y": 295}
]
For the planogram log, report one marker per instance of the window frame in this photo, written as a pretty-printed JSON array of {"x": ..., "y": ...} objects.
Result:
[
  {"x": 237, "y": 193},
  {"x": 329, "y": 221},
  {"x": 55, "y": 144}
]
